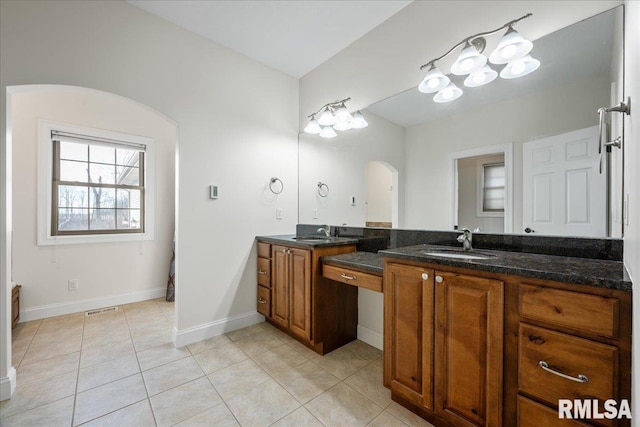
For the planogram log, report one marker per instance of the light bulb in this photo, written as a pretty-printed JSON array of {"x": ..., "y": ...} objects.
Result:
[
  {"x": 433, "y": 81},
  {"x": 326, "y": 118},
  {"x": 312, "y": 127},
  {"x": 520, "y": 67},
  {"x": 469, "y": 61},
  {"x": 448, "y": 94},
  {"x": 342, "y": 125},
  {"x": 328, "y": 132},
  {"x": 358, "y": 121},
  {"x": 343, "y": 115},
  {"x": 481, "y": 77},
  {"x": 510, "y": 47}
]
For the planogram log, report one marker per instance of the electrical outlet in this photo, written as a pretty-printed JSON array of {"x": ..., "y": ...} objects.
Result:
[{"x": 73, "y": 284}]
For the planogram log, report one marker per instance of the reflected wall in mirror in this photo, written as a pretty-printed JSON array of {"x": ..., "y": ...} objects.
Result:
[{"x": 581, "y": 71}]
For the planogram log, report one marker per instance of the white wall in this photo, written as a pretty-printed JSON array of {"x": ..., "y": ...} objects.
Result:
[
  {"x": 378, "y": 191},
  {"x": 341, "y": 163},
  {"x": 632, "y": 182},
  {"x": 238, "y": 123},
  {"x": 521, "y": 119},
  {"x": 105, "y": 271}
]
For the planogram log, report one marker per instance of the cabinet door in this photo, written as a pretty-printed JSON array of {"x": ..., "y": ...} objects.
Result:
[
  {"x": 408, "y": 332},
  {"x": 300, "y": 292},
  {"x": 468, "y": 361},
  {"x": 280, "y": 285}
]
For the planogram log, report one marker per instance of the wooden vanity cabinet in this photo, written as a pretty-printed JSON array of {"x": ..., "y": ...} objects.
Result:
[
  {"x": 443, "y": 343},
  {"x": 293, "y": 295}
]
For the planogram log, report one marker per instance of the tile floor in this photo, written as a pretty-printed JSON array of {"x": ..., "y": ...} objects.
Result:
[{"x": 121, "y": 369}]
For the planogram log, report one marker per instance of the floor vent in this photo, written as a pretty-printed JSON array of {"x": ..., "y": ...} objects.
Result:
[{"x": 100, "y": 311}]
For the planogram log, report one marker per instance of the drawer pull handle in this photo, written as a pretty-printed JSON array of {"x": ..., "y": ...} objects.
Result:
[
  {"x": 425, "y": 276},
  {"x": 262, "y": 272},
  {"x": 439, "y": 279},
  {"x": 262, "y": 301},
  {"x": 345, "y": 277},
  {"x": 580, "y": 379}
]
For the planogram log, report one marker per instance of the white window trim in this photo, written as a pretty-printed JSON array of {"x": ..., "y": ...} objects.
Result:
[
  {"x": 480, "y": 165},
  {"x": 45, "y": 198}
]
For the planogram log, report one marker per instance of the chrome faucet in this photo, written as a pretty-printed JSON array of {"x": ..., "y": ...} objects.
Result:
[
  {"x": 465, "y": 238},
  {"x": 326, "y": 230}
]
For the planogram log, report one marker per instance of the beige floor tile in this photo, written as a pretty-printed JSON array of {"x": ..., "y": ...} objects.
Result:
[
  {"x": 45, "y": 350},
  {"x": 105, "y": 352},
  {"x": 49, "y": 367},
  {"x": 344, "y": 406},
  {"x": 246, "y": 332},
  {"x": 38, "y": 392},
  {"x": 237, "y": 378},
  {"x": 258, "y": 343},
  {"x": 220, "y": 357},
  {"x": 138, "y": 328},
  {"x": 407, "y": 416},
  {"x": 52, "y": 415},
  {"x": 385, "y": 419},
  {"x": 110, "y": 397},
  {"x": 306, "y": 381},
  {"x": 181, "y": 403},
  {"x": 341, "y": 362},
  {"x": 262, "y": 405},
  {"x": 106, "y": 372},
  {"x": 302, "y": 349},
  {"x": 155, "y": 339},
  {"x": 161, "y": 355},
  {"x": 364, "y": 350},
  {"x": 368, "y": 381},
  {"x": 172, "y": 374},
  {"x": 280, "y": 359},
  {"x": 26, "y": 329},
  {"x": 218, "y": 416},
  {"x": 299, "y": 417},
  {"x": 208, "y": 344},
  {"x": 139, "y": 415}
]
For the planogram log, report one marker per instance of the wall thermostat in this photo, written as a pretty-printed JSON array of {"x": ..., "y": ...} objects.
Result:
[{"x": 213, "y": 191}]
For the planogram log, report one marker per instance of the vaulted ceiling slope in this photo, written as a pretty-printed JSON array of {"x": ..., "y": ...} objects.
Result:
[{"x": 292, "y": 36}]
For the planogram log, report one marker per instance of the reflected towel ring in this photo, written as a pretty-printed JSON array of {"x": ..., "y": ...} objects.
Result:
[
  {"x": 273, "y": 182},
  {"x": 323, "y": 189}
]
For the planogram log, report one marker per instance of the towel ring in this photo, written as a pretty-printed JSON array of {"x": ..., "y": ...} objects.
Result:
[
  {"x": 323, "y": 189},
  {"x": 273, "y": 181}
]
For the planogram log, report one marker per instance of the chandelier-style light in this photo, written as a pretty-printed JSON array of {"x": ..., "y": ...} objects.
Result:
[
  {"x": 512, "y": 50},
  {"x": 332, "y": 117}
]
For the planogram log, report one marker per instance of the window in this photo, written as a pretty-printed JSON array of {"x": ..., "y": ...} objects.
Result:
[
  {"x": 93, "y": 185},
  {"x": 98, "y": 185},
  {"x": 491, "y": 189}
]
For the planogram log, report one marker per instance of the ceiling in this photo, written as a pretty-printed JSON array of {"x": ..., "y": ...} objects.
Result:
[{"x": 292, "y": 36}]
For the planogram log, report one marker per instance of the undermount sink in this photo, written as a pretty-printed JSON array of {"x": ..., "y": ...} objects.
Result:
[
  {"x": 458, "y": 254},
  {"x": 317, "y": 238}
]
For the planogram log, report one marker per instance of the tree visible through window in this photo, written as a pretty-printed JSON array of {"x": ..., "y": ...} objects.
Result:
[{"x": 98, "y": 186}]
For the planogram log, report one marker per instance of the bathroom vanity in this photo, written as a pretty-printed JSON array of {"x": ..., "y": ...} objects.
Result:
[{"x": 479, "y": 338}]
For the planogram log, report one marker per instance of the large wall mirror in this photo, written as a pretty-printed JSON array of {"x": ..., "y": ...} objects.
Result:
[{"x": 514, "y": 156}]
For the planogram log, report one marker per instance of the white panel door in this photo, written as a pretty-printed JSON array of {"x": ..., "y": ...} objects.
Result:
[{"x": 563, "y": 191}]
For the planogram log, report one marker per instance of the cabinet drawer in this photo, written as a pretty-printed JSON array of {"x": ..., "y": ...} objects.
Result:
[
  {"x": 264, "y": 272},
  {"x": 352, "y": 277},
  {"x": 568, "y": 355},
  {"x": 264, "y": 301},
  {"x": 534, "y": 414},
  {"x": 592, "y": 314},
  {"x": 264, "y": 250}
]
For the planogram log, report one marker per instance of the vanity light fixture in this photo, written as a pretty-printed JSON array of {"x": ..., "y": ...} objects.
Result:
[
  {"x": 332, "y": 117},
  {"x": 513, "y": 50}
]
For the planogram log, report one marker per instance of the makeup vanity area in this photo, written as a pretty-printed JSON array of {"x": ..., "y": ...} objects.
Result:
[{"x": 495, "y": 335}]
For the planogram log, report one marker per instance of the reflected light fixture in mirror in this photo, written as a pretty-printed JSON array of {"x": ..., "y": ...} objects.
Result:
[
  {"x": 513, "y": 50},
  {"x": 332, "y": 117}
]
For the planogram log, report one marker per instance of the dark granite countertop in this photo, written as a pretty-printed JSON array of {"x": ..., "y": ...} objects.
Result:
[
  {"x": 591, "y": 272},
  {"x": 308, "y": 242},
  {"x": 367, "y": 262}
]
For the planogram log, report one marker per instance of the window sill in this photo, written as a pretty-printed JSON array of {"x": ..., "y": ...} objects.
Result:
[{"x": 96, "y": 238}]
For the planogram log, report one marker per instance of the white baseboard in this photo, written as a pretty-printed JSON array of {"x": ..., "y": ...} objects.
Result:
[
  {"x": 370, "y": 336},
  {"x": 50, "y": 310},
  {"x": 8, "y": 385},
  {"x": 213, "y": 329}
]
